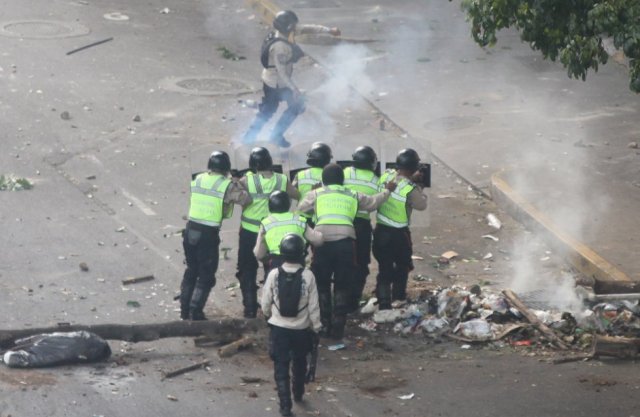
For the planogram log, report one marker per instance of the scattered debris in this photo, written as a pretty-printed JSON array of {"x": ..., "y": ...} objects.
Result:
[
  {"x": 338, "y": 346},
  {"x": 84, "y": 267},
  {"x": 233, "y": 347},
  {"x": 11, "y": 183},
  {"x": 225, "y": 253},
  {"x": 117, "y": 16},
  {"x": 492, "y": 237},
  {"x": 132, "y": 303},
  {"x": 251, "y": 379},
  {"x": 57, "y": 348},
  {"x": 171, "y": 397},
  {"x": 65, "y": 115},
  {"x": 121, "y": 229},
  {"x": 136, "y": 280},
  {"x": 228, "y": 54},
  {"x": 407, "y": 397},
  {"x": 137, "y": 118},
  {"x": 232, "y": 286},
  {"x": 417, "y": 258},
  {"x": 91, "y": 45},
  {"x": 186, "y": 369},
  {"x": 493, "y": 221},
  {"x": 633, "y": 145},
  {"x": 165, "y": 11}
]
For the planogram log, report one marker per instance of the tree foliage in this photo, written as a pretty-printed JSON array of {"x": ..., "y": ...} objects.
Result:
[{"x": 569, "y": 30}]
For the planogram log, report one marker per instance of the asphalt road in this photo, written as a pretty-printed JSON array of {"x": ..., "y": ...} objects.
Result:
[{"x": 111, "y": 191}]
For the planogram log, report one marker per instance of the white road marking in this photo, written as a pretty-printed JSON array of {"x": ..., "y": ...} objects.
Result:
[{"x": 138, "y": 203}]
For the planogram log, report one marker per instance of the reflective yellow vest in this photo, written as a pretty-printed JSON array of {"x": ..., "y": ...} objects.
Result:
[
  {"x": 393, "y": 212},
  {"x": 336, "y": 205},
  {"x": 207, "y": 199},
  {"x": 307, "y": 179},
  {"x": 278, "y": 225},
  {"x": 363, "y": 181},
  {"x": 259, "y": 188}
]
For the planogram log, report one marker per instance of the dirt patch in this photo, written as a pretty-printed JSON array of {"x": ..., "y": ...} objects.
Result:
[
  {"x": 378, "y": 383},
  {"x": 26, "y": 378}
]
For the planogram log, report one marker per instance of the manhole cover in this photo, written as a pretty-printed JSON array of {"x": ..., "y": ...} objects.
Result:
[
  {"x": 42, "y": 29},
  {"x": 206, "y": 86},
  {"x": 453, "y": 122}
]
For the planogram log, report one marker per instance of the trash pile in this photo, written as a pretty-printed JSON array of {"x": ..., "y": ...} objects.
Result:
[
  {"x": 11, "y": 183},
  {"x": 480, "y": 315}
]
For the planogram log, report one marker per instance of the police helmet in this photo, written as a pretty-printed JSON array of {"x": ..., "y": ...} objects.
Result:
[
  {"x": 408, "y": 159},
  {"x": 279, "y": 202},
  {"x": 319, "y": 155},
  {"x": 292, "y": 248},
  {"x": 260, "y": 159},
  {"x": 219, "y": 161},
  {"x": 285, "y": 21},
  {"x": 364, "y": 157}
]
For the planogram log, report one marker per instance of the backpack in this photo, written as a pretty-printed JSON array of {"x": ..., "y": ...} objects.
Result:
[
  {"x": 289, "y": 292},
  {"x": 270, "y": 40}
]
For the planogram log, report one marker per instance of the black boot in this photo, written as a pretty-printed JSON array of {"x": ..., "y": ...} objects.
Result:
[
  {"x": 337, "y": 331},
  {"x": 186, "y": 292},
  {"x": 325, "y": 313},
  {"x": 299, "y": 373},
  {"x": 284, "y": 395},
  {"x": 198, "y": 300},
  {"x": 251, "y": 304},
  {"x": 383, "y": 292}
]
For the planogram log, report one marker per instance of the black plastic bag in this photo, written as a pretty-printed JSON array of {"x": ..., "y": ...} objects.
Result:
[{"x": 57, "y": 349}]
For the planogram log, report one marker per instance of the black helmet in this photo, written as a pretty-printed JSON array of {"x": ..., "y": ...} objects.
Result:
[
  {"x": 285, "y": 21},
  {"x": 364, "y": 157},
  {"x": 408, "y": 159},
  {"x": 292, "y": 248},
  {"x": 260, "y": 159},
  {"x": 219, "y": 161},
  {"x": 319, "y": 155},
  {"x": 279, "y": 202}
]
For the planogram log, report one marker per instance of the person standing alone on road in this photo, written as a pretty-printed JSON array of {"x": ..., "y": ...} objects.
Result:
[
  {"x": 392, "y": 245},
  {"x": 261, "y": 181},
  {"x": 290, "y": 302},
  {"x": 279, "y": 53},
  {"x": 213, "y": 194}
]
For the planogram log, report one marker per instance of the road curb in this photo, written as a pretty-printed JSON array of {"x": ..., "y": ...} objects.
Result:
[
  {"x": 265, "y": 8},
  {"x": 606, "y": 277}
]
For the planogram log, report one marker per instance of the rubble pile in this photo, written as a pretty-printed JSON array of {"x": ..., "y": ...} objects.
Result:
[{"x": 480, "y": 315}]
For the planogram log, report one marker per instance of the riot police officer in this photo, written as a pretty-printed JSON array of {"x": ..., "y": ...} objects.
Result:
[
  {"x": 260, "y": 182},
  {"x": 276, "y": 225},
  {"x": 318, "y": 157},
  {"x": 279, "y": 53},
  {"x": 392, "y": 245},
  {"x": 290, "y": 302},
  {"x": 335, "y": 208},
  {"x": 361, "y": 177},
  {"x": 213, "y": 194}
]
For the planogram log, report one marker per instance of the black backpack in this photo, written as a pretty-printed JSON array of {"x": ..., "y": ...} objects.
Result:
[
  {"x": 270, "y": 40},
  {"x": 289, "y": 292}
]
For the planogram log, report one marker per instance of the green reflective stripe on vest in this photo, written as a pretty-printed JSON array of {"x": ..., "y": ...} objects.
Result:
[
  {"x": 393, "y": 212},
  {"x": 362, "y": 181},
  {"x": 278, "y": 225},
  {"x": 207, "y": 199},
  {"x": 260, "y": 188},
  {"x": 336, "y": 205}
]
